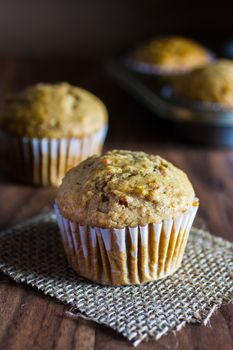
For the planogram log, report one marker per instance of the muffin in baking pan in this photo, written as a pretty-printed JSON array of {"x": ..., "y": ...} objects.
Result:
[
  {"x": 48, "y": 128},
  {"x": 125, "y": 217},
  {"x": 168, "y": 56},
  {"x": 211, "y": 86}
]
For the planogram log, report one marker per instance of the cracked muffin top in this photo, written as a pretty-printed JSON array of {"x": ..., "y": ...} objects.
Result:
[
  {"x": 212, "y": 84},
  {"x": 53, "y": 110},
  {"x": 172, "y": 54},
  {"x": 124, "y": 188}
]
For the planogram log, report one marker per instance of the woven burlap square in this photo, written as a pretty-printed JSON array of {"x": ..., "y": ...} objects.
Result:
[{"x": 32, "y": 253}]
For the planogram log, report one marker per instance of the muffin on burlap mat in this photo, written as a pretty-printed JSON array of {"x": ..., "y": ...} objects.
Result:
[
  {"x": 47, "y": 129},
  {"x": 31, "y": 253},
  {"x": 125, "y": 217}
]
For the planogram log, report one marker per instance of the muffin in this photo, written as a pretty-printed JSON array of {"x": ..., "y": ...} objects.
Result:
[
  {"x": 169, "y": 55},
  {"x": 211, "y": 85},
  {"x": 124, "y": 217},
  {"x": 47, "y": 129}
]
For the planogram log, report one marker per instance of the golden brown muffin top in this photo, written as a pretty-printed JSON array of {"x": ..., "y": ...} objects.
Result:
[
  {"x": 172, "y": 54},
  {"x": 124, "y": 188},
  {"x": 53, "y": 110},
  {"x": 210, "y": 84}
]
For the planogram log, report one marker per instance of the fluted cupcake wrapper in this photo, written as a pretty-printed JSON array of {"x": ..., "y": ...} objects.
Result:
[
  {"x": 131, "y": 255},
  {"x": 44, "y": 161}
]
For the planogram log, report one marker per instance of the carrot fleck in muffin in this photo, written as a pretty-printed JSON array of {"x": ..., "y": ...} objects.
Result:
[
  {"x": 52, "y": 127},
  {"x": 169, "y": 55},
  {"x": 125, "y": 216},
  {"x": 210, "y": 85}
]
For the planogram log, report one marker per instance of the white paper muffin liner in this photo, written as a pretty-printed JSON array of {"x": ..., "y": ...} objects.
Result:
[
  {"x": 130, "y": 255},
  {"x": 44, "y": 161}
]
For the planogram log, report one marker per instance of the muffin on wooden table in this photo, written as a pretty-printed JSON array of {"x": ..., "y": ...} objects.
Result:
[
  {"x": 125, "y": 217},
  {"x": 210, "y": 86},
  {"x": 168, "y": 56},
  {"x": 47, "y": 129}
]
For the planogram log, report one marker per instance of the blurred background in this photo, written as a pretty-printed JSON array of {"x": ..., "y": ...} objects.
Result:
[
  {"x": 92, "y": 29},
  {"x": 58, "y": 40}
]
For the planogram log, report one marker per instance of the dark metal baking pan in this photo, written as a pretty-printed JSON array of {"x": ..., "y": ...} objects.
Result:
[{"x": 200, "y": 124}]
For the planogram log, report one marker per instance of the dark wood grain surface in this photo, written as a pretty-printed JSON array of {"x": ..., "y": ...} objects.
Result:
[{"x": 30, "y": 320}]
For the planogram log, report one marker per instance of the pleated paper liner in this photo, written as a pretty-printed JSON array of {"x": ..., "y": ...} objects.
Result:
[
  {"x": 45, "y": 161},
  {"x": 132, "y": 255}
]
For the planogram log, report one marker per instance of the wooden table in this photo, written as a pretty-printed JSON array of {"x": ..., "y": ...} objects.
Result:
[{"x": 30, "y": 320}]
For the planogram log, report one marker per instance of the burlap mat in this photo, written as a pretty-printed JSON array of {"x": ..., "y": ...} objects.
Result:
[{"x": 32, "y": 253}]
